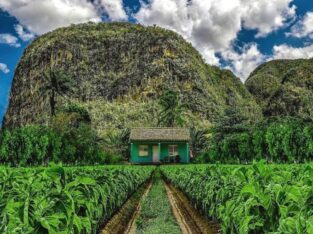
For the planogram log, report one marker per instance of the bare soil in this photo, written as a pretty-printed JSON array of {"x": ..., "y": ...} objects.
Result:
[{"x": 189, "y": 219}]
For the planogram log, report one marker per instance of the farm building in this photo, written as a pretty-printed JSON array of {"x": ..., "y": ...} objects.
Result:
[{"x": 157, "y": 145}]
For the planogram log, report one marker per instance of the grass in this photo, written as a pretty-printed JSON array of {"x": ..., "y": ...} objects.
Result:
[{"x": 156, "y": 216}]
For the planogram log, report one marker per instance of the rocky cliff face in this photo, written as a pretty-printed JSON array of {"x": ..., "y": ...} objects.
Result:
[
  {"x": 119, "y": 71},
  {"x": 284, "y": 87}
]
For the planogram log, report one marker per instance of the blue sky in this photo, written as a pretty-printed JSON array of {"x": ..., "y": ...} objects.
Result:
[{"x": 237, "y": 34}]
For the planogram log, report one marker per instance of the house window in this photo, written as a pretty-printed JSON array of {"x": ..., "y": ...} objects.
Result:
[
  {"x": 143, "y": 150},
  {"x": 173, "y": 150}
]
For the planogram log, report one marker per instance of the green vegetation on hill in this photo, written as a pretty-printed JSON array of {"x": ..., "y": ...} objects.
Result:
[
  {"x": 284, "y": 87},
  {"x": 103, "y": 79},
  {"x": 119, "y": 71}
]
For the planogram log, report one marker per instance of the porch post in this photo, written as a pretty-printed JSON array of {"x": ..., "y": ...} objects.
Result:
[
  {"x": 159, "y": 151},
  {"x": 131, "y": 152},
  {"x": 187, "y": 149}
]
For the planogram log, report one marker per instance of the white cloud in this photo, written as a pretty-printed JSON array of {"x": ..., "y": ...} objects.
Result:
[
  {"x": 114, "y": 9},
  {"x": 288, "y": 52},
  {"x": 243, "y": 63},
  {"x": 25, "y": 36},
  {"x": 211, "y": 25},
  {"x": 9, "y": 39},
  {"x": 303, "y": 28},
  {"x": 41, "y": 16},
  {"x": 4, "y": 68},
  {"x": 266, "y": 16}
]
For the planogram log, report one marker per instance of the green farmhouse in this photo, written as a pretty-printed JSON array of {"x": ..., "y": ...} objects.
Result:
[{"x": 159, "y": 145}]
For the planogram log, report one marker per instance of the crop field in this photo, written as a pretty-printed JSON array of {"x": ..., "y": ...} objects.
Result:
[
  {"x": 250, "y": 199},
  {"x": 257, "y": 198},
  {"x": 64, "y": 199}
]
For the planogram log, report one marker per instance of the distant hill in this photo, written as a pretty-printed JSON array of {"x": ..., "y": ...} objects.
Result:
[
  {"x": 119, "y": 72},
  {"x": 284, "y": 87}
]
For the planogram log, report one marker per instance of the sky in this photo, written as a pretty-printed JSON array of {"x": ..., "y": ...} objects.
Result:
[{"x": 234, "y": 34}]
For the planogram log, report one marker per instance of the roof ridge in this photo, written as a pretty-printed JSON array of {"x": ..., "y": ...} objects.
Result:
[
  {"x": 160, "y": 133},
  {"x": 159, "y": 128}
]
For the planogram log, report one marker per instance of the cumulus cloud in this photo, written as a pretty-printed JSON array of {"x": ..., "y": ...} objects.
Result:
[
  {"x": 6, "y": 38},
  {"x": 285, "y": 51},
  {"x": 209, "y": 25},
  {"x": 303, "y": 28},
  {"x": 4, "y": 68},
  {"x": 212, "y": 25},
  {"x": 114, "y": 9},
  {"x": 243, "y": 63},
  {"x": 25, "y": 36},
  {"x": 41, "y": 16},
  {"x": 266, "y": 16}
]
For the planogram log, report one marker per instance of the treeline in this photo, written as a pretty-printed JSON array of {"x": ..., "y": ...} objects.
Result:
[
  {"x": 68, "y": 139},
  {"x": 35, "y": 145},
  {"x": 280, "y": 140}
]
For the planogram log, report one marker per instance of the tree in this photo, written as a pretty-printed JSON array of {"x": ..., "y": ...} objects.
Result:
[
  {"x": 78, "y": 113},
  {"x": 118, "y": 142},
  {"x": 171, "y": 113},
  {"x": 199, "y": 140},
  {"x": 231, "y": 122},
  {"x": 57, "y": 84}
]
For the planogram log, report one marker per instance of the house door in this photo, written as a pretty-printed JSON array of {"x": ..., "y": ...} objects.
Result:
[{"x": 155, "y": 153}]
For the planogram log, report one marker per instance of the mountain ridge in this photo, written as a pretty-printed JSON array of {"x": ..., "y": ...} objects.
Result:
[
  {"x": 283, "y": 87},
  {"x": 118, "y": 66}
]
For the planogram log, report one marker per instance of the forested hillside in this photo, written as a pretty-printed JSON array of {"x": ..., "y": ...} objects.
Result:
[
  {"x": 117, "y": 72},
  {"x": 284, "y": 87}
]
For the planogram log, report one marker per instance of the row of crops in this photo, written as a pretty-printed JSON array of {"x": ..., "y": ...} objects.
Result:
[
  {"x": 64, "y": 199},
  {"x": 258, "y": 198}
]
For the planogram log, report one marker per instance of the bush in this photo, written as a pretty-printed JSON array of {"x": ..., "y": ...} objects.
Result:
[
  {"x": 282, "y": 140},
  {"x": 39, "y": 145},
  {"x": 30, "y": 145}
]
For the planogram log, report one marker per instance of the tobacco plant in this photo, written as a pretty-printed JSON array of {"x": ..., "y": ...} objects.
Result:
[
  {"x": 64, "y": 199},
  {"x": 259, "y": 198}
]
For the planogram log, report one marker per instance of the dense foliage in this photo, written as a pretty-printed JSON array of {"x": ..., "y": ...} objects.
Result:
[
  {"x": 39, "y": 145},
  {"x": 57, "y": 84},
  {"x": 171, "y": 114},
  {"x": 274, "y": 140},
  {"x": 64, "y": 200},
  {"x": 284, "y": 87},
  {"x": 250, "y": 199},
  {"x": 119, "y": 71}
]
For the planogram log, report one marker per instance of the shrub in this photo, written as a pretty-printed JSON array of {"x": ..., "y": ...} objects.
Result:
[
  {"x": 39, "y": 145},
  {"x": 283, "y": 140}
]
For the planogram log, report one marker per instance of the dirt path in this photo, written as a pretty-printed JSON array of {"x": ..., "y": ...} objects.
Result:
[
  {"x": 189, "y": 219},
  {"x": 123, "y": 220},
  {"x": 156, "y": 216},
  {"x": 131, "y": 227}
]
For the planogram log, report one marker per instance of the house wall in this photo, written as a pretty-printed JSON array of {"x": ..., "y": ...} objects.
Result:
[
  {"x": 135, "y": 158},
  {"x": 183, "y": 151}
]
